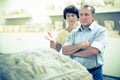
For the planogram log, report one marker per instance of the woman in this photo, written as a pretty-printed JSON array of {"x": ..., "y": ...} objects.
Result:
[{"x": 71, "y": 15}]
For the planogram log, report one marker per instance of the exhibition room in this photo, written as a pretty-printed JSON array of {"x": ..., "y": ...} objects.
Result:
[{"x": 24, "y": 25}]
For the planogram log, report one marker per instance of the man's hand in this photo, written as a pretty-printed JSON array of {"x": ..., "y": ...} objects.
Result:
[{"x": 84, "y": 44}]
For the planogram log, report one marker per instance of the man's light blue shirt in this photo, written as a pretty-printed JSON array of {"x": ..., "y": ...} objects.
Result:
[{"x": 97, "y": 35}]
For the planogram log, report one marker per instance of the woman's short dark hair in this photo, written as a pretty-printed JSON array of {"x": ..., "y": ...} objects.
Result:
[{"x": 71, "y": 9}]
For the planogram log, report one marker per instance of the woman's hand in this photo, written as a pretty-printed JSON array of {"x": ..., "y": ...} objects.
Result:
[{"x": 49, "y": 37}]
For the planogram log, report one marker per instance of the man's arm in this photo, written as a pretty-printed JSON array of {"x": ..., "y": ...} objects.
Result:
[
  {"x": 90, "y": 51},
  {"x": 71, "y": 49}
]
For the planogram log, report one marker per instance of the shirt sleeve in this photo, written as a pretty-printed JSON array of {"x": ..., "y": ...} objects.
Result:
[{"x": 100, "y": 40}]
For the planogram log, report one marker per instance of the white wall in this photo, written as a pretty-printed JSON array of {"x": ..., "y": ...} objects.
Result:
[
  {"x": 112, "y": 58},
  {"x": 16, "y": 42}
]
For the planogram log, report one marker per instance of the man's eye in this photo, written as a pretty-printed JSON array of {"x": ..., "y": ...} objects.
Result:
[
  {"x": 86, "y": 14},
  {"x": 81, "y": 14}
]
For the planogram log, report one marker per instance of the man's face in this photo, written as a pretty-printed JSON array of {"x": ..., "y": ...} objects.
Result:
[{"x": 86, "y": 17}]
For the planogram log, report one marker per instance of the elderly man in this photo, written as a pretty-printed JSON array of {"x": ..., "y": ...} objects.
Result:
[{"x": 91, "y": 34}]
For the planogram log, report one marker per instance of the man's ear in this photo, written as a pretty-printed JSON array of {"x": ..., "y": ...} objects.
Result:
[{"x": 94, "y": 16}]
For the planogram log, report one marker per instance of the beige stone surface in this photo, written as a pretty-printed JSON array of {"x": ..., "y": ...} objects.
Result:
[{"x": 41, "y": 64}]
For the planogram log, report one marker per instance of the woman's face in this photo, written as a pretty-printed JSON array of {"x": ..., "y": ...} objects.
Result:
[{"x": 71, "y": 18}]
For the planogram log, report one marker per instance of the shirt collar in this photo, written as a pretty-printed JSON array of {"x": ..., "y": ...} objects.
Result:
[{"x": 91, "y": 27}]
